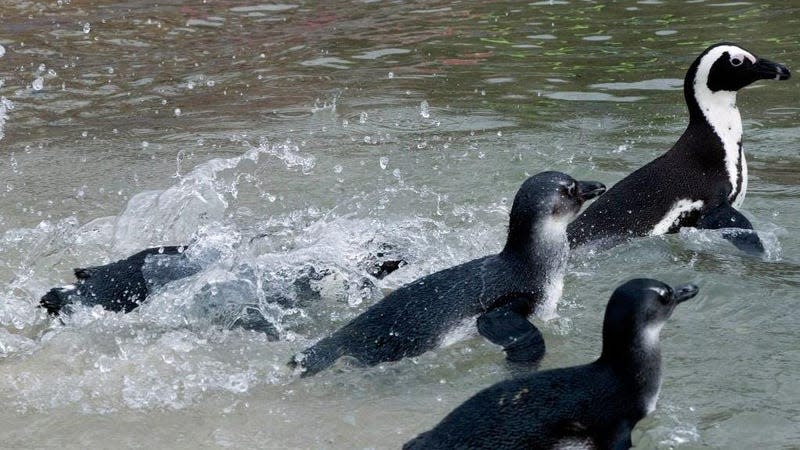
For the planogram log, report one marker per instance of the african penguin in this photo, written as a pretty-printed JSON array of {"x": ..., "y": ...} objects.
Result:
[
  {"x": 125, "y": 284},
  {"x": 590, "y": 406},
  {"x": 500, "y": 290},
  {"x": 122, "y": 285},
  {"x": 702, "y": 179}
]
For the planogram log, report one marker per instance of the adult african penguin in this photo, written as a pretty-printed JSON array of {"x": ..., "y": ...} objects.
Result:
[
  {"x": 702, "y": 180},
  {"x": 500, "y": 290},
  {"x": 590, "y": 406}
]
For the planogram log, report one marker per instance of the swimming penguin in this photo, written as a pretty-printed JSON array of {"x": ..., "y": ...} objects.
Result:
[
  {"x": 125, "y": 284},
  {"x": 500, "y": 290},
  {"x": 702, "y": 179},
  {"x": 590, "y": 406},
  {"x": 122, "y": 285}
]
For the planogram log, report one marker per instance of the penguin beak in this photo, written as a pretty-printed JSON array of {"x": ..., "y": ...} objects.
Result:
[
  {"x": 685, "y": 292},
  {"x": 768, "y": 70},
  {"x": 590, "y": 189}
]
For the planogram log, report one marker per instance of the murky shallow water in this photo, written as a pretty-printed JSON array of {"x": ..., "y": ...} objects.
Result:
[{"x": 334, "y": 126}]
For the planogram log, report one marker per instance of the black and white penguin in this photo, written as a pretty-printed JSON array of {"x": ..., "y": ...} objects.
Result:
[
  {"x": 702, "y": 179},
  {"x": 500, "y": 290},
  {"x": 590, "y": 406}
]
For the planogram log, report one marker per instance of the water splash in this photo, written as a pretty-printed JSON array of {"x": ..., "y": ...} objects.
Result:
[{"x": 5, "y": 106}]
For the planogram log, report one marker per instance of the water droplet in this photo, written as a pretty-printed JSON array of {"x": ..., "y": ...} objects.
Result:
[
  {"x": 177, "y": 112},
  {"x": 424, "y": 109},
  {"x": 362, "y": 118},
  {"x": 391, "y": 75},
  {"x": 2, "y": 51},
  {"x": 338, "y": 168},
  {"x": 210, "y": 83},
  {"x": 87, "y": 27},
  {"x": 384, "y": 162},
  {"x": 85, "y": 134},
  {"x": 190, "y": 85},
  {"x": 145, "y": 144},
  {"x": 38, "y": 84}
]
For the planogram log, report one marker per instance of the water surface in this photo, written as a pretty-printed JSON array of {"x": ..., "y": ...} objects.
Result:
[{"x": 331, "y": 127}]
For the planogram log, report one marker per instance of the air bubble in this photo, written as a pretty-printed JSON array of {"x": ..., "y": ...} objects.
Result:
[
  {"x": 384, "y": 162},
  {"x": 87, "y": 27},
  {"x": 38, "y": 84}
]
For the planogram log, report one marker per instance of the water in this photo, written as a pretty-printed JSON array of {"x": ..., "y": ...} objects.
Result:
[{"x": 332, "y": 127}]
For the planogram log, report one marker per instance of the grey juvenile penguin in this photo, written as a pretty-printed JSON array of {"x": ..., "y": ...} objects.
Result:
[
  {"x": 500, "y": 290},
  {"x": 591, "y": 406}
]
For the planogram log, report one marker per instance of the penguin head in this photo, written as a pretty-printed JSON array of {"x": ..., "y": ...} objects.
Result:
[
  {"x": 547, "y": 201},
  {"x": 638, "y": 309},
  {"x": 728, "y": 67}
]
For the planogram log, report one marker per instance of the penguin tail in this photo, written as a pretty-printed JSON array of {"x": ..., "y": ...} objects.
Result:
[
  {"x": 317, "y": 358},
  {"x": 55, "y": 299}
]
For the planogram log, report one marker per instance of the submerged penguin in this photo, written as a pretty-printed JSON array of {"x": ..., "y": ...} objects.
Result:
[
  {"x": 702, "y": 179},
  {"x": 500, "y": 290},
  {"x": 591, "y": 406},
  {"x": 125, "y": 284}
]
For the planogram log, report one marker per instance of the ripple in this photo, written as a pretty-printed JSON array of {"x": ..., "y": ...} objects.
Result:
[
  {"x": 576, "y": 96},
  {"x": 499, "y": 80},
  {"x": 546, "y": 37},
  {"x": 330, "y": 61},
  {"x": 656, "y": 84},
  {"x": 598, "y": 38},
  {"x": 277, "y": 7},
  {"x": 375, "y": 54}
]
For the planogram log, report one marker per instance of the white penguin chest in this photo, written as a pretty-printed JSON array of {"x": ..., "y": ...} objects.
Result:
[{"x": 720, "y": 111}]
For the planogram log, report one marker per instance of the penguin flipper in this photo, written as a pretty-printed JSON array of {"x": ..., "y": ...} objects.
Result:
[
  {"x": 736, "y": 228},
  {"x": 510, "y": 329},
  {"x": 620, "y": 439}
]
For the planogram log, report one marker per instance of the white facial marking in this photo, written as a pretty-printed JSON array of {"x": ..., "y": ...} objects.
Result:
[
  {"x": 681, "y": 207},
  {"x": 719, "y": 109},
  {"x": 660, "y": 291},
  {"x": 554, "y": 228},
  {"x": 460, "y": 331},
  {"x": 553, "y": 232},
  {"x": 650, "y": 335}
]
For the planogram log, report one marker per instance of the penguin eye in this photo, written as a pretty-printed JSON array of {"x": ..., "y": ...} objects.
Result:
[
  {"x": 664, "y": 295},
  {"x": 736, "y": 62},
  {"x": 573, "y": 190}
]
